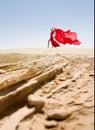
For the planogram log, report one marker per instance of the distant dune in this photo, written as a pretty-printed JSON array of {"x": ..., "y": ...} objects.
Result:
[{"x": 67, "y": 51}]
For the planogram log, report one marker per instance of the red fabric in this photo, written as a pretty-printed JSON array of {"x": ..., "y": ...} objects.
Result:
[{"x": 64, "y": 37}]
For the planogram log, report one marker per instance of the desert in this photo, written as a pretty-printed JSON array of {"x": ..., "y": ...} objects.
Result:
[{"x": 47, "y": 89}]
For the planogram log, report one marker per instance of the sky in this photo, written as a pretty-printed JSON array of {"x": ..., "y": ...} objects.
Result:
[{"x": 27, "y": 23}]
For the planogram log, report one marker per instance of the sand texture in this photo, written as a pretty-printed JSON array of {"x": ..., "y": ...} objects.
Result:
[{"x": 47, "y": 89}]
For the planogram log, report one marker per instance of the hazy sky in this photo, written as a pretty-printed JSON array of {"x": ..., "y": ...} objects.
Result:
[{"x": 27, "y": 23}]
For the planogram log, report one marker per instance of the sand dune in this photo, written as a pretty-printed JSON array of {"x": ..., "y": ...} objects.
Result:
[
  {"x": 47, "y": 89},
  {"x": 67, "y": 51}
]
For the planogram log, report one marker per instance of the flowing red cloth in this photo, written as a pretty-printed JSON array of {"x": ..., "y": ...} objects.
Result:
[{"x": 64, "y": 37}]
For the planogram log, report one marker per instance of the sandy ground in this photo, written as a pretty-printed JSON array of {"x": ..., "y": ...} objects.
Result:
[
  {"x": 47, "y": 89},
  {"x": 66, "y": 51}
]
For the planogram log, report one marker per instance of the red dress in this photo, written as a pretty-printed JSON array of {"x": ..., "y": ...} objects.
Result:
[
  {"x": 53, "y": 42},
  {"x": 63, "y": 37}
]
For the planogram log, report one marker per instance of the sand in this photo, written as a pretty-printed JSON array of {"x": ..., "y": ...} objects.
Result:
[
  {"x": 65, "y": 51},
  {"x": 47, "y": 89}
]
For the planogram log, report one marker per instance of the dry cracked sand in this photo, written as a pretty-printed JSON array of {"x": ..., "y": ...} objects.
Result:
[{"x": 47, "y": 89}]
